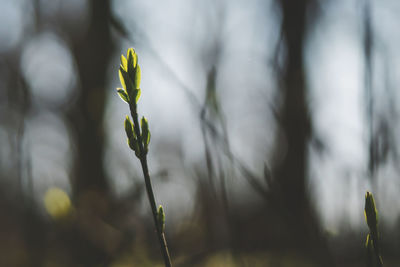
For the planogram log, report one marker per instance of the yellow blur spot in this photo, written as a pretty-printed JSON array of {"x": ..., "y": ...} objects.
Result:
[{"x": 57, "y": 203}]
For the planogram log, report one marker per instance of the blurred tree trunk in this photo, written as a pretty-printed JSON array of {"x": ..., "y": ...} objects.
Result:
[
  {"x": 295, "y": 121},
  {"x": 92, "y": 55}
]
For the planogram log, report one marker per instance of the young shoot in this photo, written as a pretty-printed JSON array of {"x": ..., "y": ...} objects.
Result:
[{"x": 138, "y": 137}]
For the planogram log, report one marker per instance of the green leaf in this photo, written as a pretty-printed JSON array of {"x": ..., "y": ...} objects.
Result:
[
  {"x": 138, "y": 77},
  {"x": 124, "y": 63},
  {"x": 121, "y": 77},
  {"x": 145, "y": 133},
  {"x": 135, "y": 60},
  {"x": 131, "y": 67},
  {"x": 123, "y": 95},
  {"x": 126, "y": 81},
  {"x": 138, "y": 94},
  {"x": 161, "y": 218},
  {"x": 135, "y": 94}
]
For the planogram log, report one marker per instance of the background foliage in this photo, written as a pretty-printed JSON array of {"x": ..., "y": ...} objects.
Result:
[{"x": 269, "y": 121}]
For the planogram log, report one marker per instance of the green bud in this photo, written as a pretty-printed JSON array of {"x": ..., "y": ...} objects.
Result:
[
  {"x": 371, "y": 216},
  {"x": 130, "y": 76},
  {"x": 131, "y": 63},
  {"x": 145, "y": 134},
  {"x": 132, "y": 57},
  {"x": 131, "y": 136},
  {"x": 133, "y": 144},
  {"x": 370, "y": 212},
  {"x": 133, "y": 68},
  {"x": 129, "y": 127},
  {"x": 161, "y": 218}
]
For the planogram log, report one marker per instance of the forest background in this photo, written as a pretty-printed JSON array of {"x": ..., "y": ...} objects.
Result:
[{"x": 269, "y": 120}]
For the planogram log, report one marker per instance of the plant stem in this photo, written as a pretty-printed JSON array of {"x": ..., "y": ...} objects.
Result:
[
  {"x": 379, "y": 262},
  {"x": 149, "y": 188}
]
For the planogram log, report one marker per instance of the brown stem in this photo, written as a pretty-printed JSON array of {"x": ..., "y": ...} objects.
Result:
[{"x": 149, "y": 188}]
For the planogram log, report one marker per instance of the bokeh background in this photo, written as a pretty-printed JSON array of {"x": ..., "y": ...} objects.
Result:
[{"x": 269, "y": 120}]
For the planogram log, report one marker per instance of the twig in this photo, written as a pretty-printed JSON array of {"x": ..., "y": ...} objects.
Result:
[{"x": 139, "y": 138}]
